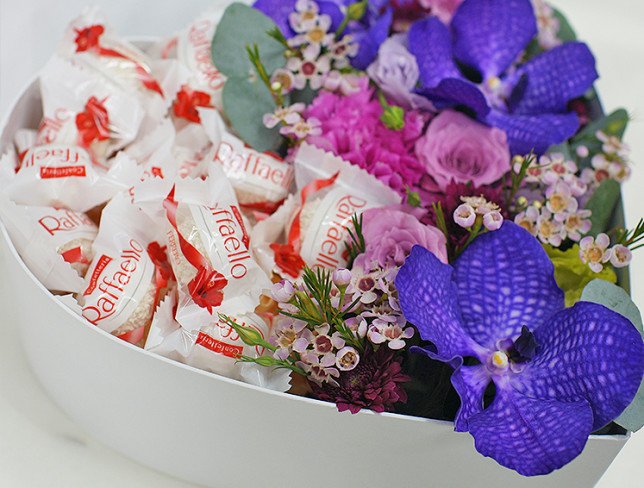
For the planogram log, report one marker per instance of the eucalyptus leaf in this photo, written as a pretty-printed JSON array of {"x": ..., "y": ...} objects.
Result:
[
  {"x": 563, "y": 148},
  {"x": 616, "y": 299},
  {"x": 246, "y": 101},
  {"x": 566, "y": 32},
  {"x": 241, "y": 27},
  {"x": 602, "y": 205}
]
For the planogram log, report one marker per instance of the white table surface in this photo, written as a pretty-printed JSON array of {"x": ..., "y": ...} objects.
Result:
[{"x": 39, "y": 446}]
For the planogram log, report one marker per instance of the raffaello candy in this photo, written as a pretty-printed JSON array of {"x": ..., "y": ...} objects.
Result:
[
  {"x": 315, "y": 227},
  {"x": 54, "y": 243},
  {"x": 82, "y": 109},
  {"x": 90, "y": 41},
  {"x": 64, "y": 176},
  {"x": 129, "y": 274},
  {"x": 209, "y": 246},
  {"x": 193, "y": 50},
  {"x": 262, "y": 181},
  {"x": 212, "y": 345}
]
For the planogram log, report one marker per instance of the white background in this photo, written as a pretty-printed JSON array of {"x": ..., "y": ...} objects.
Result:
[{"x": 39, "y": 446}]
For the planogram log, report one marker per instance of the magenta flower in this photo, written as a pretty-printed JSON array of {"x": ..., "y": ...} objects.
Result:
[
  {"x": 461, "y": 150},
  {"x": 351, "y": 128},
  {"x": 375, "y": 383},
  {"x": 390, "y": 234},
  {"x": 560, "y": 373}
]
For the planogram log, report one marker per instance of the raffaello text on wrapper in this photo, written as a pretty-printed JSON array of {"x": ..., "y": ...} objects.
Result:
[{"x": 129, "y": 274}]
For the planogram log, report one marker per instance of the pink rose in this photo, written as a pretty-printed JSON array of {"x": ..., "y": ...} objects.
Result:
[
  {"x": 457, "y": 148},
  {"x": 443, "y": 9},
  {"x": 389, "y": 235}
]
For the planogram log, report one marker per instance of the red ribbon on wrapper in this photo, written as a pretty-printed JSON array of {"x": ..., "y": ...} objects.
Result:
[
  {"x": 88, "y": 39},
  {"x": 93, "y": 123},
  {"x": 206, "y": 288},
  {"x": 185, "y": 106},
  {"x": 287, "y": 256},
  {"x": 163, "y": 270}
]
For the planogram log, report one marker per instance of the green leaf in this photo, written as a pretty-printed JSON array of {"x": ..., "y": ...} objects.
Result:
[
  {"x": 563, "y": 148},
  {"x": 602, "y": 204},
  {"x": 566, "y": 32},
  {"x": 245, "y": 103},
  {"x": 572, "y": 275},
  {"x": 243, "y": 26},
  {"x": 616, "y": 299}
]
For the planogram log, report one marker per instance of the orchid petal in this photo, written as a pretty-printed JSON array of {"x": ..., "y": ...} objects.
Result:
[
  {"x": 278, "y": 11},
  {"x": 470, "y": 383},
  {"x": 490, "y": 34},
  {"x": 505, "y": 280},
  {"x": 452, "y": 92},
  {"x": 528, "y": 435},
  {"x": 369, "y": 39},
  {"x": 556, "y": 77},
  {"x": 428, "y": 298},
  {"x": 589, "y": 353},
  {"x": 534, "y": 132},
  {"x": 431, "y": 43}
]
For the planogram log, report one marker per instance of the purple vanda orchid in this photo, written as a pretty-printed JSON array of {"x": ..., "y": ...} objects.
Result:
[
  {"x": 560, "y": 373},
  {"x": 486, "y": 37}
]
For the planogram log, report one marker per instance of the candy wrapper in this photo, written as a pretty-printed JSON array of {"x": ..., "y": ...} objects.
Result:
[
  {"x": 214, "y": 346},
  {"x": 129, "y": 273},
  {"x": 64, "y": 176},
  {"x": 193, "y": 49},
  {"x": 55, "y": 244},
  {"x": 261, "y": 180},
  {"x": 82, "y": 109},
  {"x": 315, "y": 228},
  {"x": 209, "y": 247},
  {"x": 90, "y": 40}
]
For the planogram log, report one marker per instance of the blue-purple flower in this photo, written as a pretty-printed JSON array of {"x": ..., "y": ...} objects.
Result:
[
  {"x": 472, "y": 63},
  {"x": 498, "y": 317},
  {"x": 369, "y": 32}
]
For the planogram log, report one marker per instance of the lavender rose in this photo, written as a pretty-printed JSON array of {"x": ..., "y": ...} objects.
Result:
[
  {"x": 457, "y": 148},
  {"x": 389, "y": 235},
  {"x": 395, "y": 71}
]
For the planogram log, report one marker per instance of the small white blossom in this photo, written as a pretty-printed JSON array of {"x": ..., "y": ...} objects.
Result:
[
  {"x": 284, "y": 115},
  {"x": 493, "y": 220},
  {"x": 549, "y": 231},
  {"x": 578, "y": 224},
  {"x": 620, "y": 256},
  {"x": 311, "y": 67},
  {"x": 303, "y": 129},
  {"x": 528, "y": 219},
  {"x": 593, "y": 251},
  {"x": 561, "y": 202},
  {"x": 464, "y": 216}
]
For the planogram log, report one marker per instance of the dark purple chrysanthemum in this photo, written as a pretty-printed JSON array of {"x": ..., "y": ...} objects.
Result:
[
  {"x": 560, "y": 373},
  {"x": 471, "y": 64},
  {"x": 376, "y": 384}
]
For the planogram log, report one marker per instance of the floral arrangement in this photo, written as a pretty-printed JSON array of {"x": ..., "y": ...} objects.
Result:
[{"x": 406, "y": 206}]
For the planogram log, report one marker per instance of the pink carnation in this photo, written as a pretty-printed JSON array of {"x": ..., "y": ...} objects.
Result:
[
  {"x": 351, "y": 128},
  {"x": 461, "y": 150}
]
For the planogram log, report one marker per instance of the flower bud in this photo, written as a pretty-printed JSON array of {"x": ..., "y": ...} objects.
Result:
[
  {"x": 347, "y": 358},
  {"x": 356, "y": 11},
  {"x": 464, "y": 216},
  {"x": 493, "y": 220},
  {"x": 283, "y": 291},
  {"x": 620, "y": 256},
  {"x": 249, "y": 335},
  {"x": 341, "y": 277},
  {"x": 393, "y": 117},
  {"x": 582, "y": 151}
]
